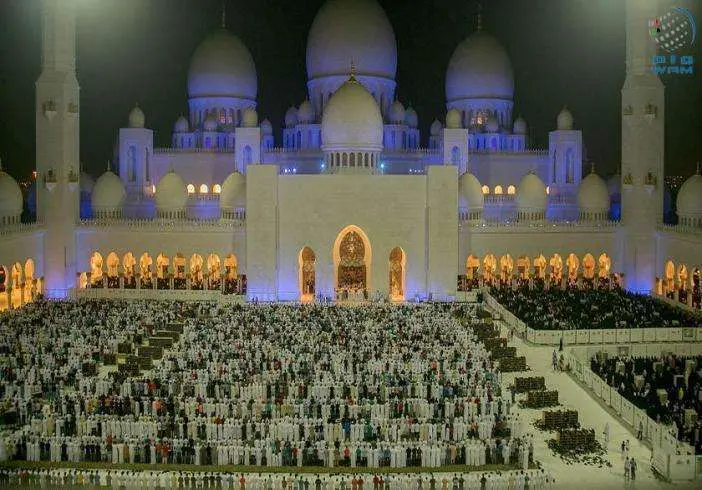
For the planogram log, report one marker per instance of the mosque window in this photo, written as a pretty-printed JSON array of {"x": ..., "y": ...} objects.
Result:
[
  {"x": 498, "y": 190},
  {"x": 204, "y": 189},
  {"x": 570, "y": 167},
  {"x": 486, "y": 190},
  {"x": 247, "y": 155},
  {"x": 217, "y": 189},
  {"x": 208, "y": 142},
  {"x": 548, "y": 190},
  {"x": 131, "y": 155},
  {"x": 147, "y": 166},
  {"x": 511, "y": 190},
  {"x": 191, "y": 189},
  {"x": 455, "y": 156}
]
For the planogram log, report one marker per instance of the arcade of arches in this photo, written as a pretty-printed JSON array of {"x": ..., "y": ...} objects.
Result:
[
  {"x": 681, "y": 283},
  {"x": 18, "y": 286},
  {"x": 553, "y": 270},
  {"x": 197, "y": 272}
]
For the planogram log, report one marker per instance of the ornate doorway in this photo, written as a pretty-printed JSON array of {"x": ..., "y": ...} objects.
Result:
[
  {"x": 352, "y": 264},
  {"x": 307, "y": 262}
]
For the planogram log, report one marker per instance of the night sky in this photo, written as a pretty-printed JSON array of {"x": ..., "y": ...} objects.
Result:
[{"x": 562, "y": 52}]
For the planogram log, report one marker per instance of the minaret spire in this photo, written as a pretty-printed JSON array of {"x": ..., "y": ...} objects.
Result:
[
  {"x": 352, "y": 71},
  {"x": 479, "y": 17},
  {"x": 224, "y": 15}
]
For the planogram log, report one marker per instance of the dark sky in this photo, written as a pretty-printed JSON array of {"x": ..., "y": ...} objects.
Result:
[{"x": 562, "y": 51}]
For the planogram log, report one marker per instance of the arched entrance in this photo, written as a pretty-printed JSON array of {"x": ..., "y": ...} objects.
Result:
[
  {"x": 556, "y": 264},
  {"x": 352, "y": 259},
  {"x": 196, "y": 277},
  {"x": 396, "y": 274},
  {"x": 472, "y": 266},
  {"x": 96, "y": 270},
  {"x": 524, "y": 267},
  {"x": 145, "y": 262},
  {"x": 589, "y": 266},
  {"x": 573, "y": 264},
  {"x": 605, "y": 264},
  {"x": 129, "y": 266},
  {"x": 489, "y": 267},
  {"x": 540, "y": 267},
  {"x": 506, "y": 267},
  {"x": 307, "y": 274},
  {"x": 669, "y": 284}
]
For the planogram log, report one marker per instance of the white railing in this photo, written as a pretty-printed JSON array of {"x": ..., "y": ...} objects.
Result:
[
  {"x": 594, "y": 336},
  {"x": 673, "y": 459},
  {"x": 167, "y": 225},
  {"x": 18, "y": 228},
  {"x": 557, "y": 226},
  {"x": 680, "y": 229},
  {"x": 529, "y": 151},
  {"x": 192, "y": 150}
]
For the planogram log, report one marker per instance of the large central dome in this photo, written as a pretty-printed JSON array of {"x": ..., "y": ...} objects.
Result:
[
  {"x": 222, "y": 67},
  {"x": 352, "y": 120},
  {"x": 479, "y": 69},
  {"x": 346, "y": 31}
]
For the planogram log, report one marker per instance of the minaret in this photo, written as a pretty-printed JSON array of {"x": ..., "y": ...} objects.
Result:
[
  {"x": 643, "y": 103},
  {"x": 57, "y": 145}
]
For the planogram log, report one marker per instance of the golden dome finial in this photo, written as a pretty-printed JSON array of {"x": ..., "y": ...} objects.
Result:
[
  {"x": 224, "y": 15},
  {"x": 479, "y": 17},
  {"x": 352, "y": 71}
]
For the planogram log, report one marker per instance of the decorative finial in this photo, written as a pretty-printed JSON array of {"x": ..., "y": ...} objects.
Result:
[
  {"x": 224, "y": 15},
  {"x": 109, "y": 165},
  {"x": 592, "y": 168},
  {"x": 352, "y": 71},
  {"x": 479, "y": 17}
]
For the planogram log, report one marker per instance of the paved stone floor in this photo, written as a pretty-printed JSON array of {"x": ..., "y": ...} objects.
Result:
[{"x": 591, "y": 414}]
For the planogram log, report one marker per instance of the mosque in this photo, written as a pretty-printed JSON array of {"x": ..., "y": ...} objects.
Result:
[{"x": 348, "y": 204}]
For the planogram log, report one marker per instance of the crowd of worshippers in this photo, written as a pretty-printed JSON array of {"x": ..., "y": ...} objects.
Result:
[
  {"x": 264, "y": 385},
  {"x": 534, "y": 479},
  {"x": 581, "y": 309},
  {"x": 668, "y": 388}
]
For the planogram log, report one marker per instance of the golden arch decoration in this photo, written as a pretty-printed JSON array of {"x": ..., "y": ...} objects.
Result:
[
  {"x": 145, "y": 273},
  {"x": 397, "y": 274},
  {"x": 112, "y": 265},
  {"x": 589, "y": 266},
  {"x": 573, "y": 266},
  {"x": 506, "y": 267},
  {"x": 489, "y": 267},
  {"x": 352, "y": 255},
  {"x": 472, "y": 266},
  {"x": 540, "y": 267},
  {"x": 307, "y": 274},
  {"x": 214, "y": 271},
  {"x": 605, "y": 265},
  {"x": 196, "y": 276},
  {"x": 524, "y": 267},
  {"x": 682, "y": 277},
  {"x": 556, "y": 264},
  {"x": 95, "y": 268},
  {"x": 669, "y": 283},
  {"x": 162, "y": 266},
  {"x": 230, "y": 266}
]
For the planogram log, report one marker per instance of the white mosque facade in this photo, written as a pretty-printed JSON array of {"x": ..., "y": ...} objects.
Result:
[{"x": 347, "y": 204}]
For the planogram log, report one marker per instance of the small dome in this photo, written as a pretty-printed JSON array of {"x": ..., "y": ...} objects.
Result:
[
  {"x": 181, "y": 125},
  {"x": 108, "y": 194},
  {"x": 222, "y": 67},
  {"x": 435, "y": 128},
  {"x": 520, "y": 126},
  {"x": 352, "y": 119},
  {"x": 137, "y": 118},
  {"x": 479, "y": 69},
  {"x": 532, "y": 194},
  {"x": 492, "y": 125},
  {"x": 266, "y": 127},
  {"x": 291, "y": 117},
  {"x": 305, "y": 114},
  {"x": 565, "y": 120},
  {"x": 470, "y": 192},
  {"x": 171, "y": 194},
  {"x": 689, "y": 202},
  {"x": 86, "y": 183},
  {"x": 411, "y": 118},
  {"x": 397, "y": 113},
  {"x": 210, "y": 123},
  {"x": 593, "y": 196},
  {"x": 614, "y": 185},
  {"x": 233, "y": 193},
  {"x": 453, "y": 119},
  {"x": 250, "y": 118},
  {"x": 11, "y": 201},
  {"x": 351, "y": 30}
]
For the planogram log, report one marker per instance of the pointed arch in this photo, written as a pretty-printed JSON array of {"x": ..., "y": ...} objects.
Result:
[
  {"x": 682, "y": 277},
  {"x": 669, "y": 282},
  {"x": 589, "y": 266},
  {"x": 163, "y": 271},
  {"x": 573, "y": 264},
  {"x": 524, "y": 267},
  {"x": 214, "y": 271},
  {"x": 556, "y": 263},
  {"x": 145, "y": 273},
  {"x": 472, "y": 266},
  {"x": 397, "y": 274},
  {"x": 540, "y": 267},
  {"x": 230, "y": 274},
  {"x": 195, "y": 269},
  {"x": 96, "y": 269},
  {"x": 352, "y": 256},
  {"x": 489, "y": 267},
  {"x": 307, "y": 277},
  {"x": 604, "y": 266}
]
